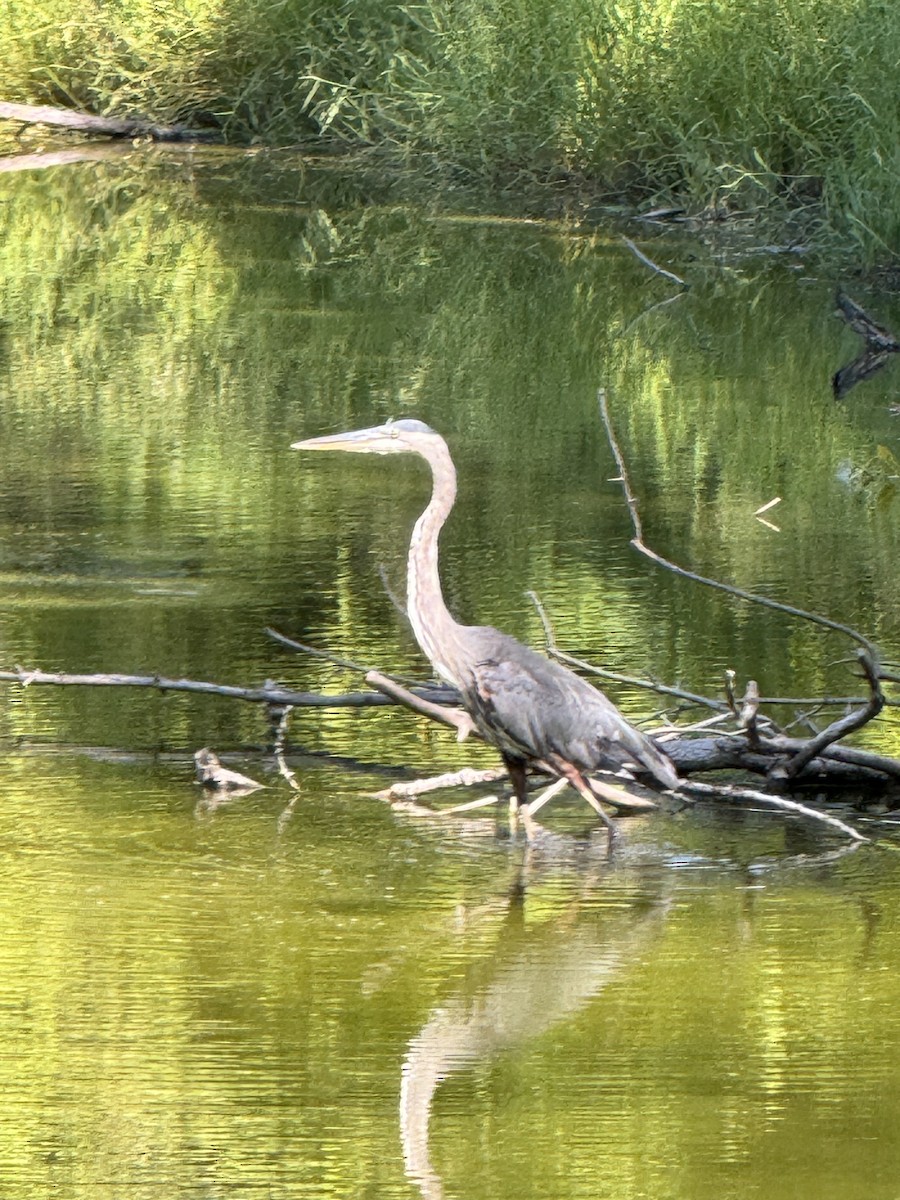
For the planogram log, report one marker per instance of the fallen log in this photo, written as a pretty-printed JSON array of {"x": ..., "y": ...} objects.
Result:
[
  {"x": 833, "y": 765},
  {"x": 117, "y": 127}
]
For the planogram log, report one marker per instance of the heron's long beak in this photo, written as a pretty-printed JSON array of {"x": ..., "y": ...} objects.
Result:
[{"x": 360, "y": 440}]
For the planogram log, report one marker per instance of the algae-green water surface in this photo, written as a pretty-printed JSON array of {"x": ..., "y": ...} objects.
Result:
[{"x": 312, "y": 994}]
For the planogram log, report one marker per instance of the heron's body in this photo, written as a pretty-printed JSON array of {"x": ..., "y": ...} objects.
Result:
[{"x": 532, "y": 709}]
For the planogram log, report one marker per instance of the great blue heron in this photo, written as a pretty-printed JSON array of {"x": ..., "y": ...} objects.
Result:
[{"x": 534, "y": 710}]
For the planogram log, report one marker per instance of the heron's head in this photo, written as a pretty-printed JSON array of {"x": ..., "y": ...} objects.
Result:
[{"x": 396, "y": 437}]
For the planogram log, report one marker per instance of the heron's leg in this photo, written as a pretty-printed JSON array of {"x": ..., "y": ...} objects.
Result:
[
  {"x": 546, "y": 795},
  {"x": 516, "y": 768},
  {"x": 581, "y": 785}
]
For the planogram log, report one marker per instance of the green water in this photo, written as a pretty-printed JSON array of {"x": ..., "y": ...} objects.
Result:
[{"x": 318, "y": 996}]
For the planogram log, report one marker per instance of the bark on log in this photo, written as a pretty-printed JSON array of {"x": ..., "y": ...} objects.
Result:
[{"x": 841, "y": 766}]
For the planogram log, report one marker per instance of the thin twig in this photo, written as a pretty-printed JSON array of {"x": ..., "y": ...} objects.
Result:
[
  {"x": 748, "y": 795},
  {"x": 283, "y": 715},
  {"x": 647, "y": 684},
  {"x": 346, "y": 663}
]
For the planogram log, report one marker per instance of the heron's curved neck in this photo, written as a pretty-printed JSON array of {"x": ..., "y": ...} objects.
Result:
[{"x": 435, "y": 629}]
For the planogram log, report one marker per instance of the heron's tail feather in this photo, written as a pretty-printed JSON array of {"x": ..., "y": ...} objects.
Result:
[{"x": 657, "y": 762}]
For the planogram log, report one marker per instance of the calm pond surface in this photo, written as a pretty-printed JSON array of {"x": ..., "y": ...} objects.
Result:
[{"x": 317, "y": 995}]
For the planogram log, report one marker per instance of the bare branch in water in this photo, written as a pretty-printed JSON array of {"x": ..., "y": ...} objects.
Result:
[
  {"x": 281, "y": 719},
  {"x": 742, "y": 795},
  {"x": 648, "y": 262},
  {"x": 837, "y": 729},
  {"x": 752, "y": 597},
  {"x": 467, "y": 777},
  {"x": 268, "y": 694}
]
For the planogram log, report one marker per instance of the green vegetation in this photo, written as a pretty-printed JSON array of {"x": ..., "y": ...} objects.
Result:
[{"x": 725, "y": 103}]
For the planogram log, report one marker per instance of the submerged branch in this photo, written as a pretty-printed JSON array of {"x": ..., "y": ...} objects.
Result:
[{"x": 832, "y": 765}]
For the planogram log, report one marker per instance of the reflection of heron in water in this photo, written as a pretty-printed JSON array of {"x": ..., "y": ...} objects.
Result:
[
  {"x": 532, "y": 709},
  {"x": 537, "y": 979}
]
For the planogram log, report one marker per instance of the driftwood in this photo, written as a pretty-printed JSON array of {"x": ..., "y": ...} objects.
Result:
[
  {"x": 116, "y": 127},
  {"x": 832, "y": 765}
]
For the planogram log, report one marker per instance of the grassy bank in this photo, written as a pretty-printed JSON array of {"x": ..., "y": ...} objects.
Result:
[{"x": 726, "y": 102}]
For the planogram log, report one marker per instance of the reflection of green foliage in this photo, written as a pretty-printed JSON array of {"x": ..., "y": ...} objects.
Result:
[
  {"x": 220, "y": 1003},
  {"x": 205, "y": 1005},
  {"x": 179, "y": 333}
]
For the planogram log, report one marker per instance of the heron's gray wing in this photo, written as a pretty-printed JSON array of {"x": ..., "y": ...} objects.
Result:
[{"x": 532, "y": 707}]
